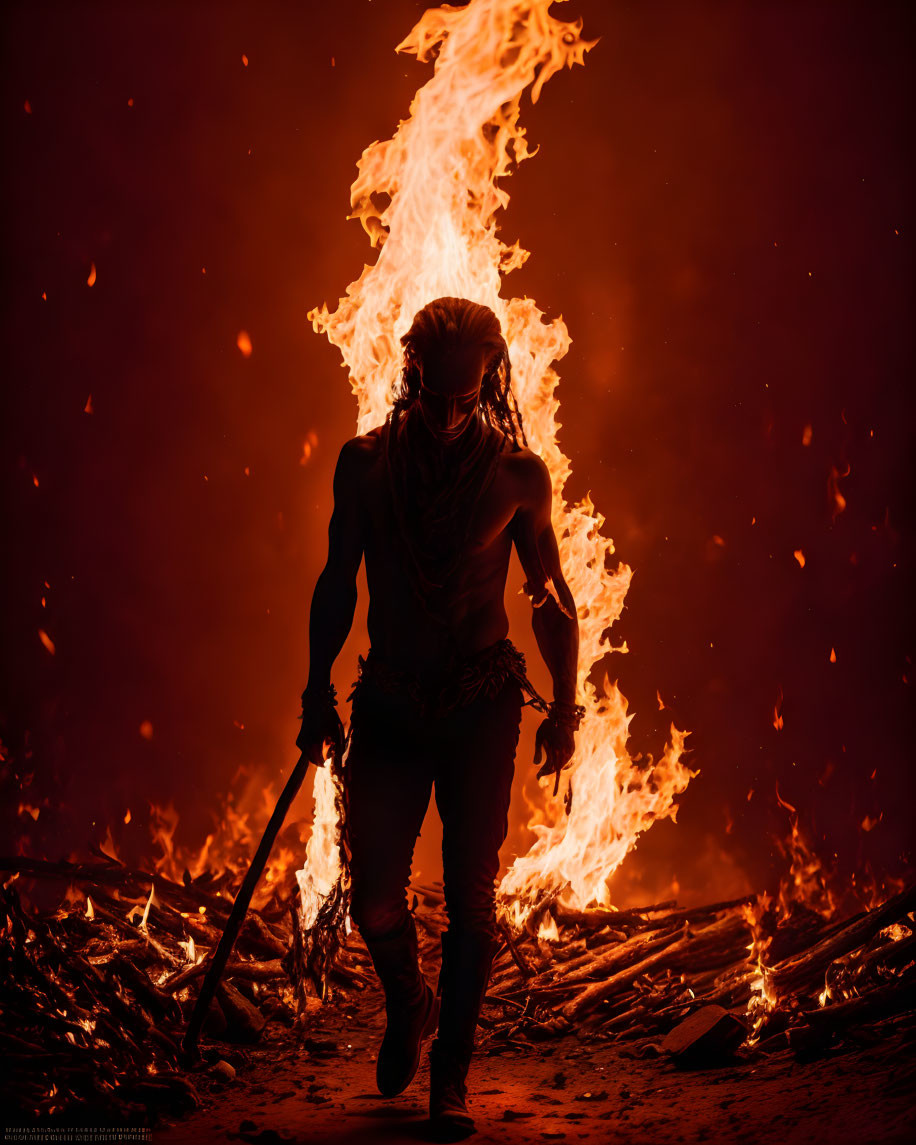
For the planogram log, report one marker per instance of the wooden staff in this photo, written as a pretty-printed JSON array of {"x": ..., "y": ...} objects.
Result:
[{"x": 240, "y": 907}]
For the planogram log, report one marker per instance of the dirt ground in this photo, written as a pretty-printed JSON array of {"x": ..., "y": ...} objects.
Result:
[{"x": 563, "y": 1090}]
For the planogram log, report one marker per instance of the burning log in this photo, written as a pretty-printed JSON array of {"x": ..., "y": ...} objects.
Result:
[
  {"x": 804, "y": 971},
  {"x": 523, "y": 966},
  {"x": 124, "y": 974}
]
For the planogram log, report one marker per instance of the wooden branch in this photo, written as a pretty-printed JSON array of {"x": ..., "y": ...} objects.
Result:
[{"x": 804, "y": 969}]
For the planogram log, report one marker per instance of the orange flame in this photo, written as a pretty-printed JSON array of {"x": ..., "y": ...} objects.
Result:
[
  {"x": 778, "y": 722},
  {"x": 837, "y": 500},
  {"x": 441, "y": 174}
]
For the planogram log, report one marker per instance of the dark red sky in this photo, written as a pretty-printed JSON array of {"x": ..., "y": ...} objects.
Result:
[{"x": 721, "y": 210}]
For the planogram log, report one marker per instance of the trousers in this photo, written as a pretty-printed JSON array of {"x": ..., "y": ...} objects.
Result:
[{"x": 401, "y": 752}]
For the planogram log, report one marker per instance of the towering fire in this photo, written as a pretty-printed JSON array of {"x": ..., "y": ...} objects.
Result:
[{"x": 428, "y": 198}]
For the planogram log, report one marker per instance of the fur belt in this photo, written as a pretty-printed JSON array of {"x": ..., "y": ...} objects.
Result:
[{"x": 436, "y": 694}]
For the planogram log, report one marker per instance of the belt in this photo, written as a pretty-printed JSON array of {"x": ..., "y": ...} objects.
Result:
[{"x": 437, "y": 693}]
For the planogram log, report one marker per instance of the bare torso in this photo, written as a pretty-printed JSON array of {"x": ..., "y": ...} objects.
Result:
[
  {"x": 515, "y": 508},
  {"x": 400, "y": 629}
]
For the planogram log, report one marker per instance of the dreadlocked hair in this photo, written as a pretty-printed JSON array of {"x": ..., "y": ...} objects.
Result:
[{"x": 452, "y": 323}]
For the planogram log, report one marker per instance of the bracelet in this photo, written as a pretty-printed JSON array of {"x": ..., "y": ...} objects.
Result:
[
  {"x": 326, "y": 695},
  {"x": 566, "y": 715}
]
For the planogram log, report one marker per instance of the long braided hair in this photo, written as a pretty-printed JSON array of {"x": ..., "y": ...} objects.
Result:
[{"x": 452, "y": 323}]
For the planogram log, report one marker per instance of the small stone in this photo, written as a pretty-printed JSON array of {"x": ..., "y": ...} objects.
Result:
[
  {"x": 223, "y": 1070},
  {"x": 708, "y": 1036}
]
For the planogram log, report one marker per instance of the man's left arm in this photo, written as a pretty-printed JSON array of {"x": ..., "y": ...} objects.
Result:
[{"x": 554, "y": 621}]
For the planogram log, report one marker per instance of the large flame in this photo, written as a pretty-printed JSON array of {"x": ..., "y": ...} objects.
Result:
[{"x": 428, "y": 199}]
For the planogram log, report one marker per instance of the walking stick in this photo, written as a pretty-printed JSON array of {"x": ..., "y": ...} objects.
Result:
[{"x": 240, "y": 909}]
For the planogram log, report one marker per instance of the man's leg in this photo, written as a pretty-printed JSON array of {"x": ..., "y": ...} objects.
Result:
[
  {"x": 388, "y": 788},
  {"x": 473, "y": 789}
]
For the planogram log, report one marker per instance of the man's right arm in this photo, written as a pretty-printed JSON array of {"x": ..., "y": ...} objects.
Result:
[
  {"x": 333, "y": 604},
  {"x": 334, "y": 599}
]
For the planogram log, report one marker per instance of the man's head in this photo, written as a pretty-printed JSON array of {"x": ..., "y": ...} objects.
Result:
[{"x": 456, "y": 365}]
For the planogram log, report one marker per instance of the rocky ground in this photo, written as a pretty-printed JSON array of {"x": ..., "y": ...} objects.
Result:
[{"x": 561, "y": 1090}]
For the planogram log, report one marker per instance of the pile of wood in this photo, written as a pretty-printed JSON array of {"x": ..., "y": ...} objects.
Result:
[
  {"x": 94, "y": 995},
  {"x": 638, "y": 973}
]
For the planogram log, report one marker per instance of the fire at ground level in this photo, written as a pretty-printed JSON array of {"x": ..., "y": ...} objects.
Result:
[{"x": 737, "y": 1021}]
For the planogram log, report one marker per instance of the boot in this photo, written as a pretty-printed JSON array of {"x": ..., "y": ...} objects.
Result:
[
  {"x": 448, "y": 1112},
  {"x": 411, "y": 1007},
  {"x": 466, "y": 960}
]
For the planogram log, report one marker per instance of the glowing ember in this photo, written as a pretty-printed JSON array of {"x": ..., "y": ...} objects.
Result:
[
  {"x": 90, "y": 281},
  {"x": 308, "y": 447},
  {"x": 243, "y": 341},
  {"x": 837, "y": 500},
  {"x": 146, "y": 729},
  {"x": 46, "y": 640},
  {"x": 778, "y": 722},
  {"x": 441, "y": 175},
  {"x": 800, "y": 557}
]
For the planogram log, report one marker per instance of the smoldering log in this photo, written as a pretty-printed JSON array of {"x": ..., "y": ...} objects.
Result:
[{"x": 804, "y": 970}]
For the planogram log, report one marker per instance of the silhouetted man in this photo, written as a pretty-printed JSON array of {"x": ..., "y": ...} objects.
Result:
[{"x": 434, "y": 500}]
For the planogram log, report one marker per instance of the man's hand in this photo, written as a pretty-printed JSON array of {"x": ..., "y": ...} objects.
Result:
[
  {"x": 321, "y": 725},
  {"x": 555, "y": 743}
]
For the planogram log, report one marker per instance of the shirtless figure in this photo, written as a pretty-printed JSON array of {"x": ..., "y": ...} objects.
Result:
[{"x": 434, "y": 500}]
